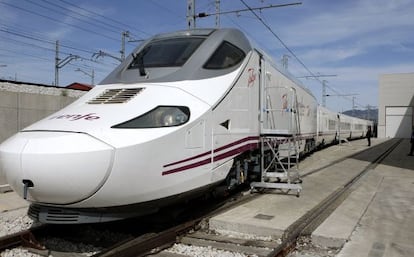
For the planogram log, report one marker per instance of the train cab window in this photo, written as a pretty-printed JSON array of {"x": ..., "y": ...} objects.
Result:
[
  {"x": 226, "y": 56},
  {"x": 171, "y": 52},
  {"x": 161, "y": 116}
]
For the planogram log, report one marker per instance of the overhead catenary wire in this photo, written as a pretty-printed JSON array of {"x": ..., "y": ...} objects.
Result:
[
  {"x": 286, "y": 46},
  {"x": 203, "y": 14},
  {"x": 29, "y": 38},
  {"x": 31, "y": 33},
  {"x": 24, "y": 54},
  {"x": 14, "y": 33},
  {"x": 51, "y": 50},
  {"x": 90, "y": 19},
  {"x": 277, "y": 37},
  {"x": 124, "y": 25},
  {"x": 26, "y": 35},
  {"x": 166, "y": 8},
  {"x": 59, "y": 21},
  {"x": 68, "y": 13}
]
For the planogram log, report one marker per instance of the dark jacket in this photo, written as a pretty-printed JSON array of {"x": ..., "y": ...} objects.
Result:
[{"x": 369, "y": 133}]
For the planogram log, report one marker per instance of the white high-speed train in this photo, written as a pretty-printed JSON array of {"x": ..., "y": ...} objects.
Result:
[{"x": 169, "y": 123}]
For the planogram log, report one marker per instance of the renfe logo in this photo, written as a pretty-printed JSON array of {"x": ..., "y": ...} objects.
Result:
[{"x": 73, "y": 117}]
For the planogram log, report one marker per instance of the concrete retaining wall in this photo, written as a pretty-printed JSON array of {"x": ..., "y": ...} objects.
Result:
[{"x": 24, "y": 104}]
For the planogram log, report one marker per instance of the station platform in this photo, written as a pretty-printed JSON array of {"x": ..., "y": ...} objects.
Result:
[{"x": 374, "y": 220}]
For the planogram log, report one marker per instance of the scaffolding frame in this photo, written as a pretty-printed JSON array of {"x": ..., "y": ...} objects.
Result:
[{"x": 279, "y": 145}]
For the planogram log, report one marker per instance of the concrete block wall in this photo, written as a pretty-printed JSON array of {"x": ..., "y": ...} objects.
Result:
[{"x": 24, "y": 104}]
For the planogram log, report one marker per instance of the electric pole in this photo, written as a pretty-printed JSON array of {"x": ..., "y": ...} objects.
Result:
[
  {"x": 324, "y": 92},
  {"x": 56, "y": 63},
  {"x": 191, "y": 14},
  {"x": 60, "y": 63},
  {"x": 5, "y": 65},
  {"x": 353, "y": 106},
  {"x": 324, "y": 95},
  {"x": 344, "y": 95},
  {"x": 285, "y": 61},
  {"x": 125, "y": 34},
  {"x": 91, "y": 75},
  {"x": 217, "y": 13}
]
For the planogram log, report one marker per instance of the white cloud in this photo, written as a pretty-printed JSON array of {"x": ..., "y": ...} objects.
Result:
[
  {"x": 333, "y": 54},
  {"x": 359, "y": 19}
]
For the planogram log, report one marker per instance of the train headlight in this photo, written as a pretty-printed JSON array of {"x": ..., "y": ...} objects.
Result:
[
  {"x": 168, "y": 120},
  {"x": 161, "y": 116}
]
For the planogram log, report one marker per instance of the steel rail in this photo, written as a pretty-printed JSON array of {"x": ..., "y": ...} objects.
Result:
[
  {"x": 305, "y": 225},
  {"x": 142, "y": 246},
  {"x": 155, "y": 242},
  {"x": 24, "y": 238}
]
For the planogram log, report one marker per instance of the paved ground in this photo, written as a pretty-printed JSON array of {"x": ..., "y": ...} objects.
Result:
[
  {"x": 376, "y": 219},
  {"x": 11, "y": 201},
  {"x": 386, "y": 228},
  {"x": 2, "y": 179},
  {"x": 271, "y": 214}
]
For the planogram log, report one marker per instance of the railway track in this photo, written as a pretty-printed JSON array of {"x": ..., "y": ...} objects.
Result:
[
  {"x": 23, "y": 238},
  {"x": 258, "y": 247},
  {"x": 45, "y": 240},
  {"x": 141, "y": 237},
  {"x": 194, "y": 232}
]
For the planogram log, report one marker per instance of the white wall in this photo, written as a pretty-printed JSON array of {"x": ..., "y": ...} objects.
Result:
[{"x": 396, "y": 91}]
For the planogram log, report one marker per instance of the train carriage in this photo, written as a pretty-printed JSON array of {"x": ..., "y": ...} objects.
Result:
[
  {"x": 185, "y": 112},
  {"x": 328, "y": 123}
]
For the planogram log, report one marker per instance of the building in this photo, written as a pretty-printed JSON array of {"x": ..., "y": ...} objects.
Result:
[
  {"x": 396, "y": 105},
  {"x": 80, "y": 86}
]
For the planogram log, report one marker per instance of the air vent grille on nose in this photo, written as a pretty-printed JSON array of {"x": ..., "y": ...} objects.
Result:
[
  {"x": 116, "y": 96},
  {"x": 53, "y": 215}
]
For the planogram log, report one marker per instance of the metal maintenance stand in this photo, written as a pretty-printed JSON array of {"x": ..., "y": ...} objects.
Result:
[{"x": 279, "y": 164}]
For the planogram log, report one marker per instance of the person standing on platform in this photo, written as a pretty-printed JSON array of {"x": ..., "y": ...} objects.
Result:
[
  {"x": 412, "y": 142},
  {"x": 369, "y": 135}
]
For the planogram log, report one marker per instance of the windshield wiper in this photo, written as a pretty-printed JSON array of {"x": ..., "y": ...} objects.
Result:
[{"x": 138, "y": 60}]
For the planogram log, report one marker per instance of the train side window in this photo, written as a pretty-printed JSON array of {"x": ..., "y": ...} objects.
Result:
[
  {"x": 225, "y": 56},
  {"x": 332, "y": 125},
  {"x": 345, "y": 125}
]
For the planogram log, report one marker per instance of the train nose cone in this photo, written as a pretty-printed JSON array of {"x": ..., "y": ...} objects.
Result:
[{"x": 55, "y": 167}]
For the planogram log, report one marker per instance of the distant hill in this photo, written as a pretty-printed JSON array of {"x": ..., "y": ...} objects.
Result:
[{"x": 372, "y": 114}]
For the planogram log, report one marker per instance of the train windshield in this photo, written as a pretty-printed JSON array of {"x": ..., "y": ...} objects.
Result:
[
  {"x": 226, "y": 56},
  {"x": 171, "y": 52}
]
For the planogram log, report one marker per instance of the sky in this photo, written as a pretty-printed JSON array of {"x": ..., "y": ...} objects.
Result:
[{"x": 349, "y": 44}]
